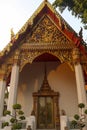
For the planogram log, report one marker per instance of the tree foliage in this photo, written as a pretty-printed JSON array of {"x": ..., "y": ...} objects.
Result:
[{"x": 77, "y": 7}]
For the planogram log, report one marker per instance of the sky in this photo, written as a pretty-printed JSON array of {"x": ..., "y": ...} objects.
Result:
[{"x": 14, "y": 14}]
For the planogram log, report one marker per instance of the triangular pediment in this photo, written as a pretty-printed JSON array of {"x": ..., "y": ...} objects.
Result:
[{"x": 45, "y": 31}]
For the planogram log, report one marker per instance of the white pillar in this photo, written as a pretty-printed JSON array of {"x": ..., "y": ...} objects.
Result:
[
  {"x": 2, "y": 94},
  {"x": 81, "y": 92},
  {"x": 13, "y": 87},
  {"x": 80, "y": 82},
  {"x": 2, "y": 89}
]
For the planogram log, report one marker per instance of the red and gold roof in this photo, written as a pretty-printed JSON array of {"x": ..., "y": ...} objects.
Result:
[{"x": 44, "y": 27}]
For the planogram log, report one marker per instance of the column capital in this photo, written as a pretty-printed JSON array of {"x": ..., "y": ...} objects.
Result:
[
  {"x": 3, "y": 72},
  {"x": 76, "y": 56},
  {"x": 16, "y": 57}
]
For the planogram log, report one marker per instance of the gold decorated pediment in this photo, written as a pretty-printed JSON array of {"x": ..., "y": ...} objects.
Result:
[{"x": 45, "y": 31}]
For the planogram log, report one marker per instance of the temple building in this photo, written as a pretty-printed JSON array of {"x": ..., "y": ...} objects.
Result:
[{"x": 44, "y": 68}]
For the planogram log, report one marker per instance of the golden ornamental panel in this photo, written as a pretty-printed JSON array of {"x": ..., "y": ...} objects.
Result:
[
  {"x": 47, "y": 32},
  {"x": 3, "y": 72},
  {"x": 28, "y": 56},
  {"x": 9, "y": 61}
]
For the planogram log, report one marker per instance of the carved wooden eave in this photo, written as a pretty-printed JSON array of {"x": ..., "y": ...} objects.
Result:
[
  {"x": 30, "y": 51},
  {"x": 44, "y": 32}
]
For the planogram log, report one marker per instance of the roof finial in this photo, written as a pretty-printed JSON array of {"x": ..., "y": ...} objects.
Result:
[
  {"x": 81, "y": 32},
  {"x": 45, "y": 0},
  {"x": 12, "y": 33}
]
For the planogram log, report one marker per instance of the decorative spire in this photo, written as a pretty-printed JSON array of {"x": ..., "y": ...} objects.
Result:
[
  {"x": 45, "y": 70},
  {"x": 45, "y": 85}
]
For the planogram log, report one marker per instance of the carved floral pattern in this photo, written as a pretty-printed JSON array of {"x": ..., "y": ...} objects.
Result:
[
  {"x": 45, "y": 31},
  {"x": 29, "y": 56}
]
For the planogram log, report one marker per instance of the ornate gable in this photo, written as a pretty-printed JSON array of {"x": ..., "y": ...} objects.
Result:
[{"x": 45, "y": 31}]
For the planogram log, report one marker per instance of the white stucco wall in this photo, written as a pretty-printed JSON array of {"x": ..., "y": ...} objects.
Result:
[{"x": 60, "y": 77}]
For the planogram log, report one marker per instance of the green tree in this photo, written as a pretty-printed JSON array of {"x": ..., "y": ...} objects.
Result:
[
  {"x": 77, "y": 7},
  {"x": 80, "y": 120},
  {"x": 15, "y": 120}
]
